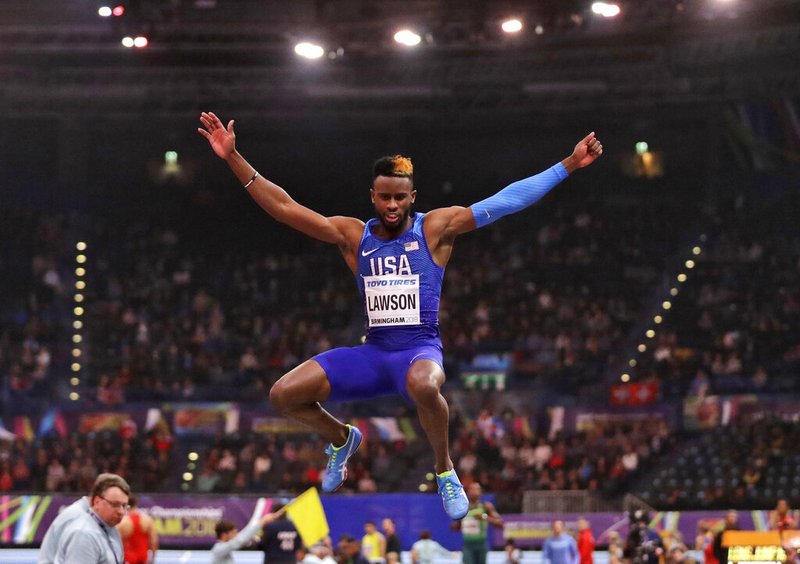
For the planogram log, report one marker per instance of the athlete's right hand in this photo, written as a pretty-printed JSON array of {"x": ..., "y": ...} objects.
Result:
[{"x": 222, "y": 140}]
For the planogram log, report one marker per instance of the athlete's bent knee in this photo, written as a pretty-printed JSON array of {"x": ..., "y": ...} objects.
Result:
[
  {"x": 302, "y": 386},
  {"x": 279, "y": 396},
  {"x": 423, "y": 389}
]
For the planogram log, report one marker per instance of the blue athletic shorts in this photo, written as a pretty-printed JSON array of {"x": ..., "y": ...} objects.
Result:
[{"x": 368, "y": 371}]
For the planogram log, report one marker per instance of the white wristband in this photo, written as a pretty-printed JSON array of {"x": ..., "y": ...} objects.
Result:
[{"x": 249, "y": 182}]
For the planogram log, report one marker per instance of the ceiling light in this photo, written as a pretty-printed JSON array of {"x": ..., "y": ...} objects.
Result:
[
  {"x": 512, "y": 26},
  {"x": 606, "y": 10},
  {"x": 309, "y": 50},
  {"x": 407, "y": 37}
]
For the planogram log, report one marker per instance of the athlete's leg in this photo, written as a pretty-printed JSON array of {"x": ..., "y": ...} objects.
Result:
[
  {"x": 345, "y": 373},
  {"x": 468, "y": 555},
  {"x": 297, "y": 395},
  {"x": 423, "y": 383}
]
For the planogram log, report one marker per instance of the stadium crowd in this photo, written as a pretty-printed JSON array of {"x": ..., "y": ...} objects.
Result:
[
  {"x": 170, "y": 318},
  {"x": 492, "y": 448},
  {"x": 748, "y": 465},
  {"x": 167, "y": 317},
  {"x": 735, "y": 326}
]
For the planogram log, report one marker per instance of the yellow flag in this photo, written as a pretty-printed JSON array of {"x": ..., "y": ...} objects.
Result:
[{"x": 308, "y": 517}]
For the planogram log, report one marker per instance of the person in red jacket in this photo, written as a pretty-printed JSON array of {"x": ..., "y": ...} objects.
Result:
[
  {"x": 139, "y": 536},
  {"x": 585, "y": 542}
]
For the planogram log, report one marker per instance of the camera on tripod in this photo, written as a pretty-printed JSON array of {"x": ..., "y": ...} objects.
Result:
[{"x": 643, "y": 544}]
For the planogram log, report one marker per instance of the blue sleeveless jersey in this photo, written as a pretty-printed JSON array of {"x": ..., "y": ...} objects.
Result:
[{"x": 400, "y": 287}]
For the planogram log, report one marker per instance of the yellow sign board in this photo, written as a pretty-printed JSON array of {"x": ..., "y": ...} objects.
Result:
[{"x": 754, "y": 547}]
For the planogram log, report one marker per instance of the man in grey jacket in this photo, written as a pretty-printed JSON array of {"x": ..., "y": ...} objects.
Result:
[
  {"x": 50, "y": 542},
  {"x": 92, "y": 537}
]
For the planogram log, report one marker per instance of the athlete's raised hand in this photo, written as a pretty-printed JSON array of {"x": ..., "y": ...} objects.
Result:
[
  {"x": 586, "y": 151},
  {"x": 222, "y": 140}
]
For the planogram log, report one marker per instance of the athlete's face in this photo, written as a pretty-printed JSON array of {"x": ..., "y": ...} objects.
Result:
[
  {"x": 392, "y": 197},
  {"x": 474, "y": 492}
]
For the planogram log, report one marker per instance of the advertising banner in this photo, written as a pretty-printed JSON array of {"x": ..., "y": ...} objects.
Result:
[
  {"x": 187, "y": 521},
  {"x": 181, "y": 520},
  {"x": 530, "y": 530}
]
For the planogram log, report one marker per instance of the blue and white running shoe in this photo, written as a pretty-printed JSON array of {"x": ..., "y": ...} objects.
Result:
[
  {"x": 454, "y": 498},
  {"x": 336, "y": 471}
]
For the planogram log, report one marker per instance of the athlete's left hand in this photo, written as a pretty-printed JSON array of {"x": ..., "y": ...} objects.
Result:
[{"x": 586, "y": 151}]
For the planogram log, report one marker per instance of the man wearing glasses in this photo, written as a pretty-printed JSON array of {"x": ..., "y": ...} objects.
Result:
[
  {"x": 51, "y": 540},
  {"x": 92, "y": 538}
]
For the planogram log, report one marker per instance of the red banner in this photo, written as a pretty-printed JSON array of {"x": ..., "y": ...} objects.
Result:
[{"x": 638, "y": 393}]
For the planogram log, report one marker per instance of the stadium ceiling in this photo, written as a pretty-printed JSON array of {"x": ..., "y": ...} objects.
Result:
[{"x": 237, "y": 55}]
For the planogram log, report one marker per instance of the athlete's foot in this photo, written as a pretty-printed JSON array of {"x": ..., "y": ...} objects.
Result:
[
  {"x": 336, "y": 472},
  {"x": 455, "y": 500}
]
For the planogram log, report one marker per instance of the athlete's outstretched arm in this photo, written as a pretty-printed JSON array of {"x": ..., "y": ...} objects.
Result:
[
  {"x": 517, "y": 195},
  {"x": 271, "y": 197},
  {"x": 444, "y": 224}
]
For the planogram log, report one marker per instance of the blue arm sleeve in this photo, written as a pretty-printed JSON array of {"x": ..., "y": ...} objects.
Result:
[{"x": 517, "y": 195}]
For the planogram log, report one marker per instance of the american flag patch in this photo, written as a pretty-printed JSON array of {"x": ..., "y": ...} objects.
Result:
[{"x": 412, "y": 246}]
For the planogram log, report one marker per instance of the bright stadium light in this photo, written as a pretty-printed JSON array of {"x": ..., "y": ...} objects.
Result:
[
  {"x": 407, "y": 37},
  {"x": 511, "y": 26},
  {"x": 605, "y": 9},
  {"x": 309, "y": 50},
  {"x": 104, "y": 11},
  {"x": 127, "y": 42}
]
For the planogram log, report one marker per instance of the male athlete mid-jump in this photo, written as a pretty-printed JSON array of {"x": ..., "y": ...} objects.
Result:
[{"x": 398, "y": 259}]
